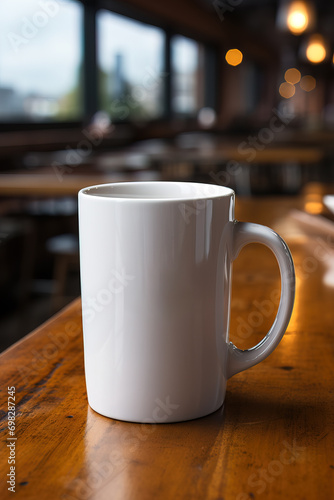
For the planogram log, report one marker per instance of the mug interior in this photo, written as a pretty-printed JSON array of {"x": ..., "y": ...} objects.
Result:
[{"x": 158, "y": 190}]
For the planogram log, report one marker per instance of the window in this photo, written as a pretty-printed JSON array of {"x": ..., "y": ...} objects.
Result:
[
  {"x": 130, "y": 68},
  {"x": 40, "y": 60},
  {"x": 187, "y": 75},
  {"x": 62, "y": 61}
]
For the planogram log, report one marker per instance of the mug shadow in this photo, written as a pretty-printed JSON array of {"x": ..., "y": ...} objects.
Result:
[{"x": 285, "y": 416}]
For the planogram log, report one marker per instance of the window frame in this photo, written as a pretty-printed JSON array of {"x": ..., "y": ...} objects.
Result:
[
  {"x": 28, "y": 125},
  {"x": 90, "y": 70}
]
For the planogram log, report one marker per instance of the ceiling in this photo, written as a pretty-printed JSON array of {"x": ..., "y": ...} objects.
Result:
[{"x": 261, "y": 15}]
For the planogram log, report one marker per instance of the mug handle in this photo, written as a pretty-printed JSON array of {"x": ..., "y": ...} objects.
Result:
[{"x": 244, "y": 233}]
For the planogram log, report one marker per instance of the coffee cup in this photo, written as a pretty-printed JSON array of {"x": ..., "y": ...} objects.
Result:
[{"x": 156, "y": 263}]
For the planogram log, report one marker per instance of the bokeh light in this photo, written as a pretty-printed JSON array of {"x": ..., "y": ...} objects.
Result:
[
  {"x": 314, "y": 203},
  {"x": 308, "y": 83},
  {"x": 298, "y": 17},
  {"x": 292, "y": 75},
  {"x": 287, "y": 90},
  {"x": 316, "y": 50},
  {"x": 234, "y": 57},
  {"x": 206, "y": 117}
]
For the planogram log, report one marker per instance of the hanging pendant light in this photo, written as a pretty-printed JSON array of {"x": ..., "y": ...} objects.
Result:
[
  {"x": 297, "y": 16},
  {"x": 315, "y": 50}
]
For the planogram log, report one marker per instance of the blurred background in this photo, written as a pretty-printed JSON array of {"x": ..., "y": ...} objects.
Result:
[{"x": 233, "y": 92}]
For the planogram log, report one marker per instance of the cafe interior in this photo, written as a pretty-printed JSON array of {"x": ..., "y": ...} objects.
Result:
[
  {"x": 235, "y": 93},
  {"x": 232, "y": 92}
]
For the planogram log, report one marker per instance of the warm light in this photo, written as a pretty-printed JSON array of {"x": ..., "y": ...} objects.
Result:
[
  {"x": 316, "y": 50},
  {"x": 308, "y": 83},
  {"x": 287, "y": 90},
  {"x": 313, "y": 207},
  {"x": 234, "y": 57},
  {"x": 298, "y": 18},
  {"x": 313, "y": 203},
  {"x": 292, "y": 75}
]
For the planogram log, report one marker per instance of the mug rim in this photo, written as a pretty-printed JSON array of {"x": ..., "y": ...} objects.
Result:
[{"x": 196, "y": 191}]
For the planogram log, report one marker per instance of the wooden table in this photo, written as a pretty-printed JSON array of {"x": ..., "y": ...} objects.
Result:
[
  {"x": 150, "y": 160},
  {"x": 47, "y": 183},
  {"x": 274, "y": 438},
  {"x": 216, "y": 153}
]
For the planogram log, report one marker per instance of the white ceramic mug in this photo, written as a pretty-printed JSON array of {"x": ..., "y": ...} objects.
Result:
[{"x": 156, "y": 283}]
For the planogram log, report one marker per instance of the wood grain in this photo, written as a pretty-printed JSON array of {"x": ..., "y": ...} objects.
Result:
[{"x": 272, "y": 440}]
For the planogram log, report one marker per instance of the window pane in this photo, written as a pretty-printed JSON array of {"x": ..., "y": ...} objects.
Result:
[
  {"x": 40, "y": 60},
  {"x": 187, "y": 75},
  {"x": 130, "y": 66}
]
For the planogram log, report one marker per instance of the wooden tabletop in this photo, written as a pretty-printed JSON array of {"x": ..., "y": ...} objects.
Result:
[
  {"x": 273, "y": 439},
  {"x": 170, "y": 161},
  {"x": 55, "y": 183},
  {"x": 242, "y": 152}
]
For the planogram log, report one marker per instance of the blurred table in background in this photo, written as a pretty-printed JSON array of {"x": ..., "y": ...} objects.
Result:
[
  {"x": 192, "y": 148},
  {"x": 189, "y": 157},
  {"x": 47, "y": 184}
]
